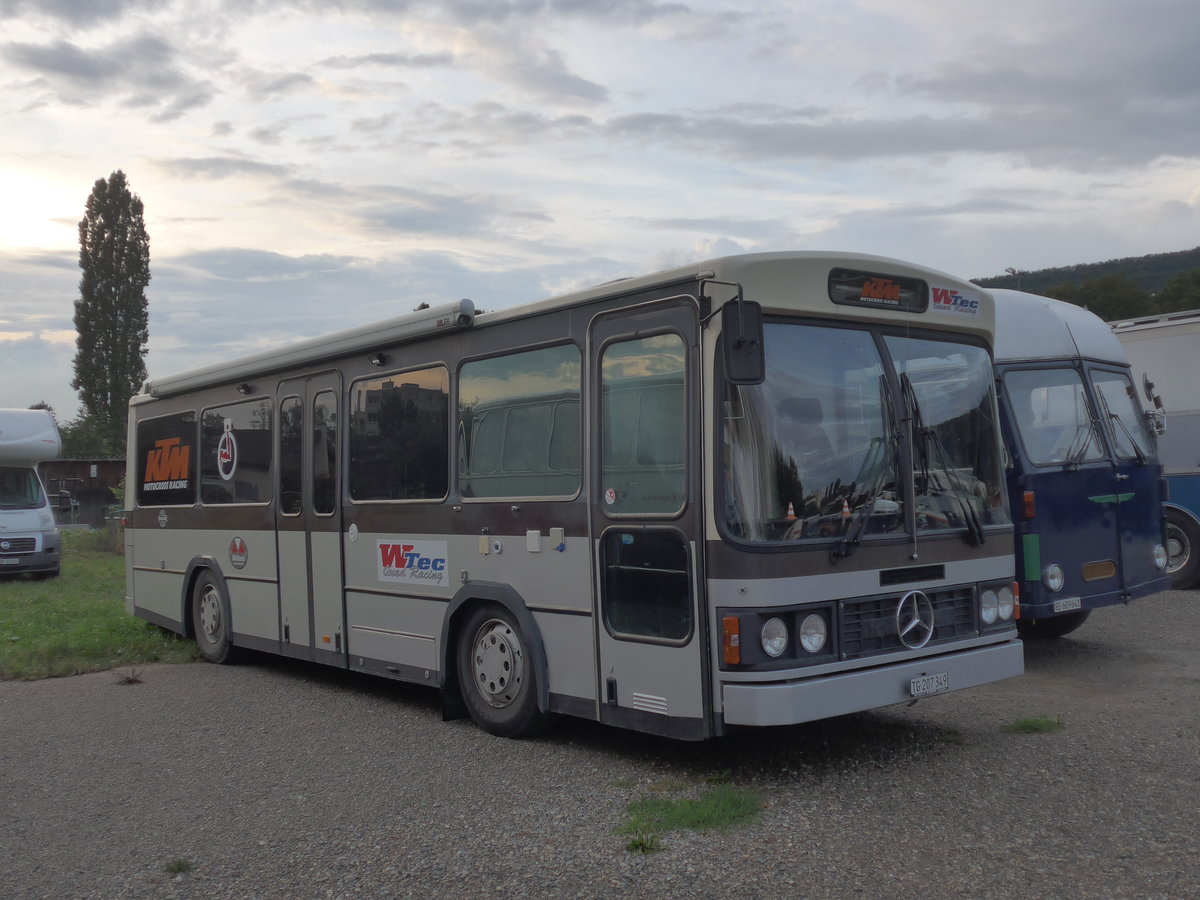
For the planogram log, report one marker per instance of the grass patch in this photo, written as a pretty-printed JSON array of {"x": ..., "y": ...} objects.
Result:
[
  {"x": 76, "y": 622},
  {"x": 178, "y": 867},
  {"x": 1036, "y": 725},
  {"x": 720, "y": 807}
]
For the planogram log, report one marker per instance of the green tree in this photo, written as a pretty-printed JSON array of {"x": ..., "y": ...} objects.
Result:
[
  {"x": 1110, "y": 297},
  {"x": 111, "y": 314},
  {"x": 1181, "y": 292}
]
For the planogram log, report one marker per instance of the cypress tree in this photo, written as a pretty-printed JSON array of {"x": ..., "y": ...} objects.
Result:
[{"x": 112, "y": 313}]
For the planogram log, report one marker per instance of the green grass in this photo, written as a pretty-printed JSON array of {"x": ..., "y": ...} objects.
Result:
[
  {"x": 76, "y": 622},
  {"x": 720, "y": 807},
  {"x": 1036, "y": 725}
]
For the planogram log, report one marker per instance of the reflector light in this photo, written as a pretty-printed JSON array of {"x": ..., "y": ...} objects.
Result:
[
  {"x": 1030, "y": 505},
  {"x": 731, "y": 640}
]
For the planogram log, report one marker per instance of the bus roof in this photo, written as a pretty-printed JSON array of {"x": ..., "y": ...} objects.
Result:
[
  {"x": 794, "y": 272},
  {"x": 1032, "y": 327}
]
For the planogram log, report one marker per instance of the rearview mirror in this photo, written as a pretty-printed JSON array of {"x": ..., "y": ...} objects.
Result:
[{"x": 742, "y": 337}]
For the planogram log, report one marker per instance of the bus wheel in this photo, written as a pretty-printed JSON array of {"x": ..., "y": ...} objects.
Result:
[
  {"x": 1053, "y": 627},
  {"x": 496, "y": 675},
  {"x": 1183, "y": 550},
  {"x": 209, "y": 613}
]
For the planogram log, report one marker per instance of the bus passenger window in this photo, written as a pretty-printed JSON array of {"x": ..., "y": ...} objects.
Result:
[
  {"x": 324, "y": 458},
  {"x": 291, "y": 416}
]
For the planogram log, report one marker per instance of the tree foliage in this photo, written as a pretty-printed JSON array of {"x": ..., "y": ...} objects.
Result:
[
  {"x": 111, "y": 314},
  {"x": 1110, "y": 297}
]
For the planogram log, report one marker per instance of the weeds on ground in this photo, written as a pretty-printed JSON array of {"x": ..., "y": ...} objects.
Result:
[
  {"x": 1036, "y": 725},
  {"x": 718, "y": 807}
]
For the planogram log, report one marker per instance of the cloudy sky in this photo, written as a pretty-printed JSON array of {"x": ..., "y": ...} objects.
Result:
[{"x": 310, "y": 165}]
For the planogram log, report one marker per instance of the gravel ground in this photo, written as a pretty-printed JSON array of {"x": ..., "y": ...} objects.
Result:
[{"x": 278, "y": 780}]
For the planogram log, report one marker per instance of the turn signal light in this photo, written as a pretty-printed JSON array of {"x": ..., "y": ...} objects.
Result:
[
  {"x": 731, "y": 640},
  {"x": 1016, "y": 589},
  {"x": 1030, "y": 505}
]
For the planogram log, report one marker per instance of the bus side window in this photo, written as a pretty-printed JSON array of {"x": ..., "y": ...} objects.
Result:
[{"x": 291, "y": 416}]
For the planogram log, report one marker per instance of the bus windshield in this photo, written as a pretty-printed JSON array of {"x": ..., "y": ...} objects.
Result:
[
  {"x": 818, "y": 449},
  {"x": 1129, "y": 430},
  {"x": 1052, "y": 415}
]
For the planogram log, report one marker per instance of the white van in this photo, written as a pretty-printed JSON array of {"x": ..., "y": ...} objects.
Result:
[{"x": 29, "y": 539}]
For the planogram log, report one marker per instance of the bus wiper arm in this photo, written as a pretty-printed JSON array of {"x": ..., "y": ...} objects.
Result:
[{"x": 1113, "y": 417}]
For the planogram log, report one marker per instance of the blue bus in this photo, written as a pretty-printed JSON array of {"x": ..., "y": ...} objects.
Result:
[
  {"x": 1084, "y": 480},
  {"x": 1162, "y": 351}
]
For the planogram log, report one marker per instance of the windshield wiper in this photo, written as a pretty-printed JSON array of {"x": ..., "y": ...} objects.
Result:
[
  {"x": 1113, "y": 417},
  {"x": 929, "y": 440}
]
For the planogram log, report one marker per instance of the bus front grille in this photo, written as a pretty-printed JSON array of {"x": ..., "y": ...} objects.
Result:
[{"x": 869, "y": 625}]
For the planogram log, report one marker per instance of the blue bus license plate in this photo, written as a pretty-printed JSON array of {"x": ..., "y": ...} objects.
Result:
[{"x": 927, "y": 685}]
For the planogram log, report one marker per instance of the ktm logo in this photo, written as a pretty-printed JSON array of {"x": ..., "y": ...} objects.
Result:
[
  {"x": 167, "y": 461},
  {"x": 881, "y": 289}
]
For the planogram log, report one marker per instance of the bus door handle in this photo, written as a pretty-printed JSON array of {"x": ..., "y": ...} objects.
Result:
[{"x": 1121, "y": 477}]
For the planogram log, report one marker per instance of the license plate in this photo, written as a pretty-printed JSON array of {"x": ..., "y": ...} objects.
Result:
[
  {"x": 927, "y": 685},
  {"x": 1067, "y": 604},
  {"x": 8, "y": 560}
]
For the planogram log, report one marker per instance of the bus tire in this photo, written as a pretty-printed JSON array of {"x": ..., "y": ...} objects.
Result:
[
  {"x": 210, "y": 619},
  {"x": 1183, "y": 550},
  {"x": 1053, "y": 627},
  {"x": 496, "y": 673}
]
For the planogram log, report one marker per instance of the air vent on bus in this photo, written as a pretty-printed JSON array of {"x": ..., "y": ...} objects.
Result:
[{"x": 912, "y": 573}]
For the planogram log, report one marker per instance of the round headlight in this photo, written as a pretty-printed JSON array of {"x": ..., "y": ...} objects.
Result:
[
  {"x": 1160, "y": 557},
  {"x": 989, "y": 606},
  {"x": 774, "y": 637},
  {"x": 1007, "y": 603},
  {"x": 813, "y": 632},
  {"x": 1053, "y": 577}
]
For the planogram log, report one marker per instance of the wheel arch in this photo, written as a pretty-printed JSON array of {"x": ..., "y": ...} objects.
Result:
[
  {"x": 1182, "y": 510},
  {"x": 467, "y": 597},
  {"x": 194, "y": 568}
]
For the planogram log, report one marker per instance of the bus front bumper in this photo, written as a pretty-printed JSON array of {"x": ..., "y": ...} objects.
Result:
[{"x": 836, "y": 695}]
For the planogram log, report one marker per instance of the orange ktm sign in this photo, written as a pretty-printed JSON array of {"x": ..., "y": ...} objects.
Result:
[{"x": 167, "y": 465}]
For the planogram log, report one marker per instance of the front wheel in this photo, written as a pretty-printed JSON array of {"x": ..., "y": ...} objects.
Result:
[
  {"x": 1183, "y": 550},
  {"x": 1053, "y": 627},
  {"x": 210, "y": 620},
  {"x": 496, "y": 674}
]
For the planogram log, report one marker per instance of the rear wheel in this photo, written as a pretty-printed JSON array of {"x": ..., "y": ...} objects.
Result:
[
  {"x": 1053, "y": 627},
  {"x": 210, "y": 619},
  {"x": 1183, "y": 550},
  {"x": 496, "y": 674}
]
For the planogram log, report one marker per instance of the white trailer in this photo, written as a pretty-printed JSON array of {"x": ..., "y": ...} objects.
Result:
[{"x": 29, "y": 539}]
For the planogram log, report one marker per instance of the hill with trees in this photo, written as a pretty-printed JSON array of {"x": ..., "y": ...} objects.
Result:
[{"x": 1119, "y": 288}]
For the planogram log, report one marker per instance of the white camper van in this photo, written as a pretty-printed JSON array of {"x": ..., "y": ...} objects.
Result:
[{"x": 29, "y": 539}]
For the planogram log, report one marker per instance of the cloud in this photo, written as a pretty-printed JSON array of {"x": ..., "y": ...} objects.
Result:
[{"x": 139, "y": 71}]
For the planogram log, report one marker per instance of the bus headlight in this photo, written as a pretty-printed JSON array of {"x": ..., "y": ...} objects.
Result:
[
  {"x": 989, "y": 607},
  {"x": 774, "y": 637},
  {"x": 1053, "y": 577},
  {"x": 1007, "y": 603},
  {"x": 813, "y": 633},
  {"x": 1160, "y": 557}
]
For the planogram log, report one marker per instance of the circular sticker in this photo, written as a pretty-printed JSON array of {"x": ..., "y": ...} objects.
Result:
[
  {"x": 238, "y": 553},
  {"x": 610, "y": 496},
  {"x": 227, "y": 455}
]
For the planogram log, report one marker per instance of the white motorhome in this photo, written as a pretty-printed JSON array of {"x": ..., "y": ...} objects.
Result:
[{"x": 29, "y": 539}]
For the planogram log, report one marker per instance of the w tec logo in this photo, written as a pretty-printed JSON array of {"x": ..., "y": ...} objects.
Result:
[
  {"x": 950, "y": 300},
  {"x": 419, "y": 561}
]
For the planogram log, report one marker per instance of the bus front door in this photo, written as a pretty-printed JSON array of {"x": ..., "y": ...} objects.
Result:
[
  {"x": 646, "y": 519},
  {"x": 312, "y": 612}
]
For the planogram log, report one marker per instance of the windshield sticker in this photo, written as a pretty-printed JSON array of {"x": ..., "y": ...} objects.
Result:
[
  {"x": 401, "y": 561},
  {"x": 952, "y": 300}
]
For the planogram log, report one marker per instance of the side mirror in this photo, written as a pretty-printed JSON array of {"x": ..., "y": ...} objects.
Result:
[
  {"x": 742, "y": 337},
  {"x": 1157, "y": 418}
]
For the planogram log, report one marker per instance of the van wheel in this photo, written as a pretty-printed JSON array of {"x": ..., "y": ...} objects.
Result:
[
  {"x": 210, "y": 619},
  {"x": 1053, "y": 627},
  {"x": 1183, "y": 550},
  {"x": 496, "y": 674}
]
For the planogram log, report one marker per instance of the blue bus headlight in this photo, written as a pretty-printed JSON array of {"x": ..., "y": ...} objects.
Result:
[
  {"x": 774, "y": 637},
  {"x": 989, "y": 607},
  {"x": 1160, "y": 556},
  {"x": 813, "y": 633},
  {"x": 1053, "y": 577}
]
